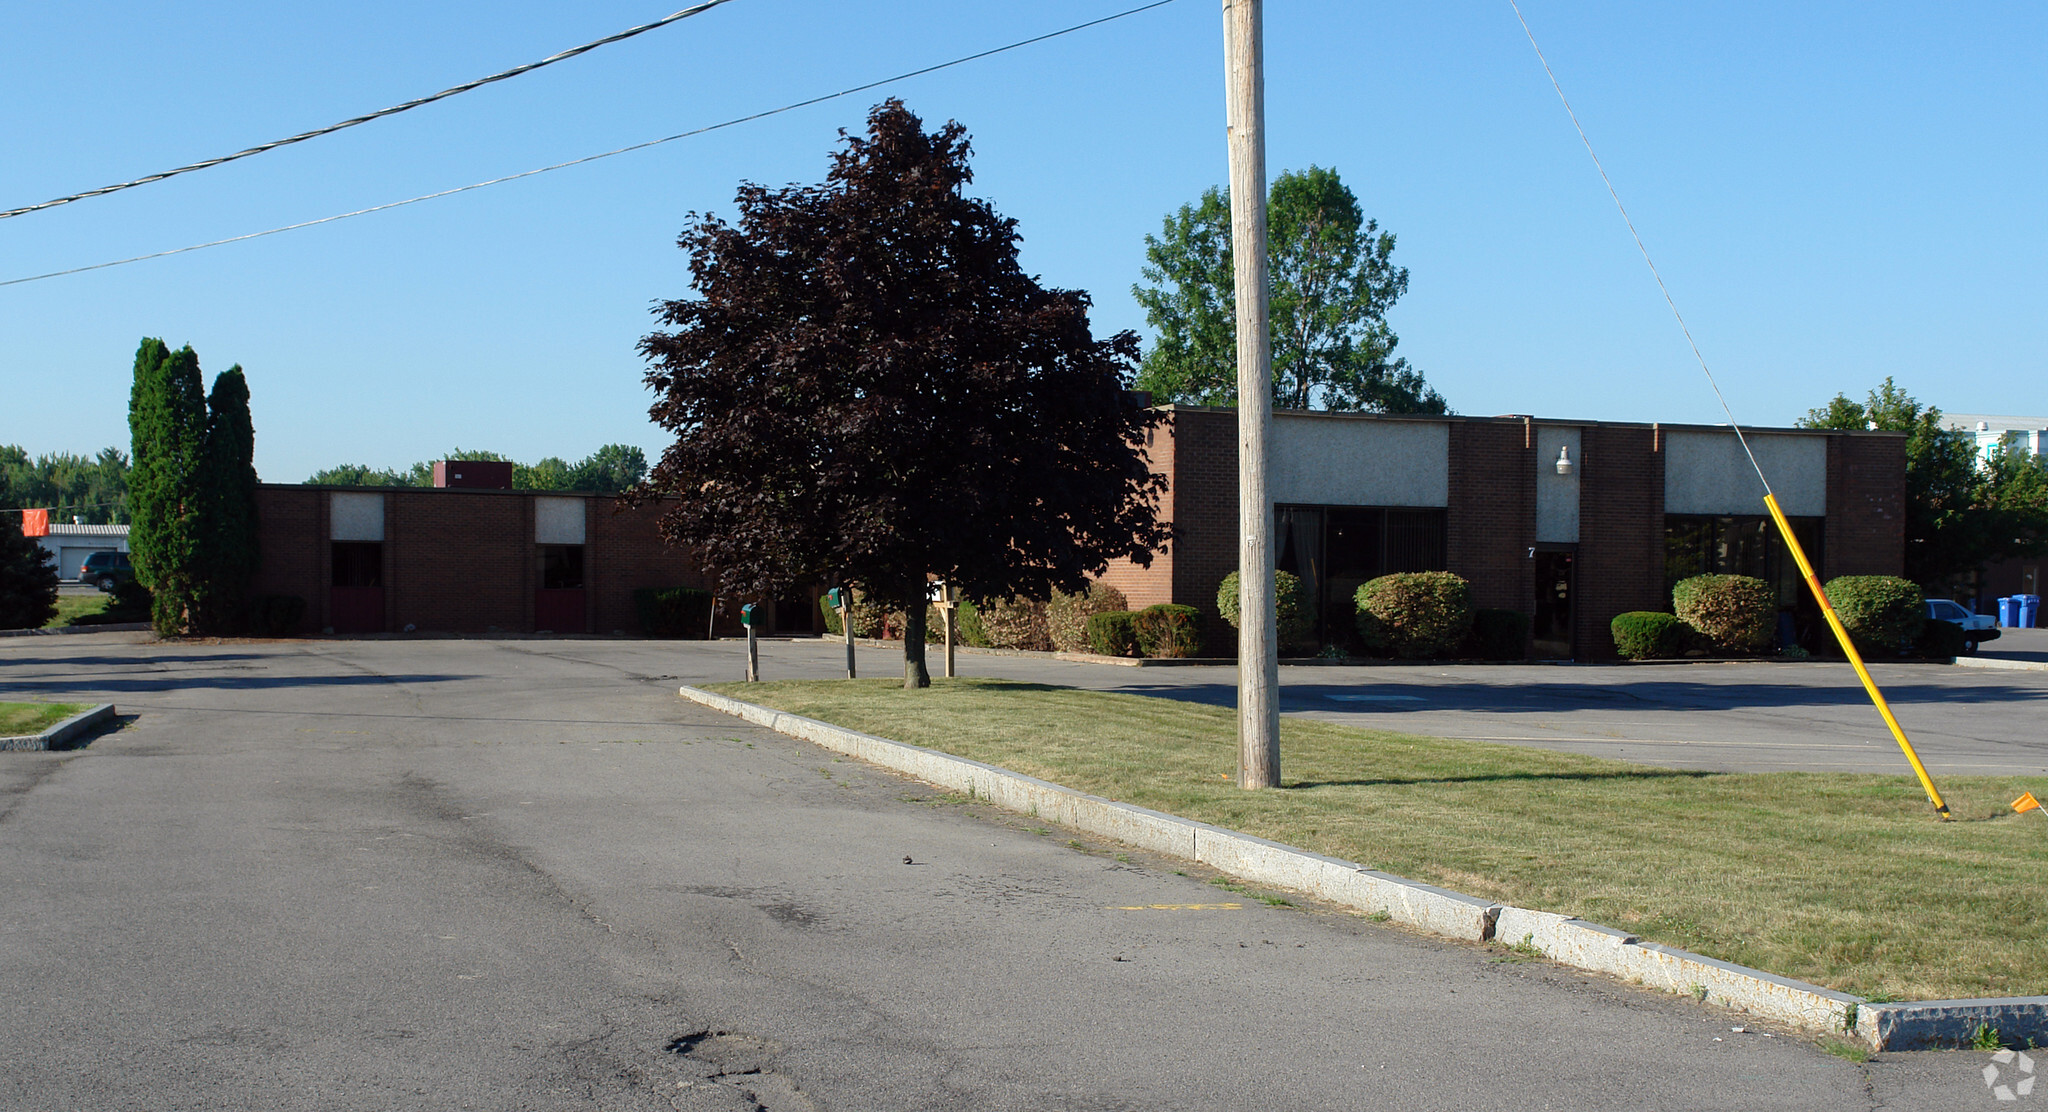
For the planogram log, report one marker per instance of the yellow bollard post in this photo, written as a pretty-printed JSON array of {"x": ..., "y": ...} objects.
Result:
[{"x": 1855, "y": 658}]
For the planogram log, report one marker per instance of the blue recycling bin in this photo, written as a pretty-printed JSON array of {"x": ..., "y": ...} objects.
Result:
[
  {"x": 2029, "y": 607},
  {"x": 2007, "y": 615}
]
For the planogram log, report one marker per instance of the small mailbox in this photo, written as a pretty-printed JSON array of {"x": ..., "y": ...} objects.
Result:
[
  {"x": 747, "y": 615},
  {"x": 835, "y": 598}
]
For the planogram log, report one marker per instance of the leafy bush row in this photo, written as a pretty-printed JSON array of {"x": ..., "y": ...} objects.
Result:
[{"x": 1884, "y": 616}]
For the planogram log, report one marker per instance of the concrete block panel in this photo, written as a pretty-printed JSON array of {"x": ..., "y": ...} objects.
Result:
[
  {"x": 557, "y": 520},
  {"x": 356, "y": 516},
  {"x": 1557, "y": 496},
  {"x": 1358, "y": 461},
  {"x": 1706, "y": 472}
]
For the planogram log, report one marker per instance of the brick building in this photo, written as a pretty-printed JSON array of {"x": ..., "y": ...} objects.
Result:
[
  {"x": 1636, "y": 508},
  {"x": 462, "y": 558}
]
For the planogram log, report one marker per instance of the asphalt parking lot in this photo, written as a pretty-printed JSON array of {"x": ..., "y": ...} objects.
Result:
[{"x": 431, "y": 874}]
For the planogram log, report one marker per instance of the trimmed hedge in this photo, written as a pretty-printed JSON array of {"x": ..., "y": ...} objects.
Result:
[
  {"x": 1113, "y": 633},
  {"x": 683, "y": 612},
  {"x": 1498, "y": 635},
  {"x": 1066, "y": 616},
  {"x": 1882, "y": 613},
  {"x": 1169, "y": 630},
  {"x": 1293, "y": 609},
  {"x": 1649, "y": 635},
  {"x": 1737, "y": 613},
  {"x": 1415, "y": 614}
]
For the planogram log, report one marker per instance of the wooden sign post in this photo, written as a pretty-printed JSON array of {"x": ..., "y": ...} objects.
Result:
[
  {"x": 947, "y": 604},
  {"x": 753, "y": 646}
]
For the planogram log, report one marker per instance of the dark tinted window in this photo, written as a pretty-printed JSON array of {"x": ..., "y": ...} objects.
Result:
[
  {"x": 358, "y": 564},
  {"x": 561, "y": 566}
]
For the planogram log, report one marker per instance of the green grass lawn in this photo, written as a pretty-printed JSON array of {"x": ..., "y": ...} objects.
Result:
[
  {"x": 72, "y": 607},
  {"x": 1843, "y": 880},
  {"x": 17, "y": 719}
]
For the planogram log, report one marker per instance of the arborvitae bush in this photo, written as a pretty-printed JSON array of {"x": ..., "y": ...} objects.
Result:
[
  {"x": 1649, "y": 635},
  {"x": 1883, "y": 614},
  {"x": 1735, "y": 613},
  {"x": 1066, "y": 616},
  {"x": 1169, "y": 630},
  {"x": 1113, "y": 633},
  {"x": 1498, "y": 635},
  {"x": 1414, "y": 615},
  {"x": 1293, "y": 609},
  {"x": 28, "y": 580},
  {"x": 276, "y": 615}
]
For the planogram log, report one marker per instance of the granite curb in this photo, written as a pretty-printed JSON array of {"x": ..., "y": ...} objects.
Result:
[
  {"x": 1561, "y": 938},
  {"x": 58, "y": 735},
  {"x": 109, "y": 627},
  {"x": 2002, "y": 663}
]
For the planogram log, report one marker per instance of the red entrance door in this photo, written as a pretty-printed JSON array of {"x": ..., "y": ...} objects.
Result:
[{"x": 558, "y": 610}]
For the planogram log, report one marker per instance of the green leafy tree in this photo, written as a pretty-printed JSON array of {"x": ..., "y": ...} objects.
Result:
[
  {"x": 226, "y": 557},
  {"x": 358, "y": 474},
  {"x": 28, "y": 579},
  {"x": 93, "y": 489},
  {"x": 167, "y": 421},
  {"x": 1332, "y": 282},
  {"x": 609, "y": 470},
  {"x": 869, "y": 388},
  {"x": 1962, "y": 512}
]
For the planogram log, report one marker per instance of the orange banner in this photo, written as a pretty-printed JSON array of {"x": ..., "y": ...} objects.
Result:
[{"x": 35, "y": 523}]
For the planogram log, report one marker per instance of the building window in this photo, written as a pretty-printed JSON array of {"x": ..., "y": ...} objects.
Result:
[
  {"x": 358, "y": 564},
  {"x": 1336, "y": 549},
  {"x": 1748, "y": 545},
  {"x": 561, "y": 567}
]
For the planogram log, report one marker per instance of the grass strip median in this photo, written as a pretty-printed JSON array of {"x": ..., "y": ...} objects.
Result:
[
  {"x": 1843, "y": 880},
  {"x": 22, "y": 719}
]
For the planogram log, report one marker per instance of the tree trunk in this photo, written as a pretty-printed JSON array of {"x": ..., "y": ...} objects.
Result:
[{"x": 914, "y": 673}]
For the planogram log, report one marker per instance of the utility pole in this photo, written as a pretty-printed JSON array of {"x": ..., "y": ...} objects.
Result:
[{"x": 1258, "y": 649}]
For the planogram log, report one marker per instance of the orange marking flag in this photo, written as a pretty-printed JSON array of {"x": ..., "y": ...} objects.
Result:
[
  {"x": 2026, "y": 802},
  {"x": 35, "y": 523}
]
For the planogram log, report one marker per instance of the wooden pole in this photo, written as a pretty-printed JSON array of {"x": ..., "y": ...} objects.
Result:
[
  {"x": 846, "y": 627},
  {"x": 947, "y": 603},
  {"x": 1258, "y": 650}
]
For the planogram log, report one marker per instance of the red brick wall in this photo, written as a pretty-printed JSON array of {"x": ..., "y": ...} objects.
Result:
[
  {"x": 625, "y": 552},
  {"x": 1620, "y": 565},
  {"x": 291, "y": 527},
  {"x": 1865, "y": 533},
  {"x": 1205, "y": 516},
  {"x": 1145, "y": 586},
  {"x": 1491, "y": 520}
]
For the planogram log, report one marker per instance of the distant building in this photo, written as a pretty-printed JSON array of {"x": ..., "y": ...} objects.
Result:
[
  {"x": 70, "y": 544},
  {"x": 2029, "y": 434}
]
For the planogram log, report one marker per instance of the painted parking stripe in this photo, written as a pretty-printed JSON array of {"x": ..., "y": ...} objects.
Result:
[{"x": 1181, "y": 907}]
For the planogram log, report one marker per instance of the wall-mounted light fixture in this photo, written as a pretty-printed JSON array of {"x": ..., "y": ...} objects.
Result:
[{"x": 1564, "y": 460}]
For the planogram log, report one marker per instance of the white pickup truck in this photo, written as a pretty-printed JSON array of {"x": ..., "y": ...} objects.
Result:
[{"x": 1976, "y": 627}]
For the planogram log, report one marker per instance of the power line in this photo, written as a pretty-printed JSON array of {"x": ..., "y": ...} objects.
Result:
[
  {"x": 377, "y": 115},
  {"x": 607, "y": 154},
  {"x": 1633, "y": 234}
]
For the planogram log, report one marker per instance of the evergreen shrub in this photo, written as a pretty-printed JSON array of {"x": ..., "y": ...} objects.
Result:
[
  {"x": 1066, "y": 616},
  {"x": 1735, "y": 613},
  {"x": 1294, "y": 611},
  {"x": 1414, "y": 615},
  {"x": 1169, "y": 630},
  {"x": 28, "y": 580},
  {"x": 1940, "y": 640},
  {"x": 1113, "y": 633},
  {"x": 275, "y": 615},
  {"x": 1883, "y": 614},
  {"x": 1649, "y": 635}
]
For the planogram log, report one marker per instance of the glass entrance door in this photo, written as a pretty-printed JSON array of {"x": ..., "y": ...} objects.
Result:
[{"x": 1550, "y": 633}]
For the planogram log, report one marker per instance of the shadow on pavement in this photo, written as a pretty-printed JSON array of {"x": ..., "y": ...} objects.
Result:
[
  {"x": 1395, "y": 698},
  {"x": 160, "y": 683}
]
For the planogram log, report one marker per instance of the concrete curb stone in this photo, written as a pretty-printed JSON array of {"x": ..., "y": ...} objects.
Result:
[
  {"x": 110, "y": 627},
  {"x": 2002, "y": 664},
  {"x": 1561, "y": 938},
  {"x": 62, "y": 732}
]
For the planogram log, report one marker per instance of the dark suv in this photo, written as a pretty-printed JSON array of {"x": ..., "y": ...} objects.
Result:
[{"x": 106, "y": 570}]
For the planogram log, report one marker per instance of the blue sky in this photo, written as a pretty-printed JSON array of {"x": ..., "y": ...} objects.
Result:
[{"x": 1836, "y": 192}]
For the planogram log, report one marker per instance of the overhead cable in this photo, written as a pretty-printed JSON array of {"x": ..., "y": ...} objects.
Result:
[
  {"x": 377, "y": 115},
  {"x": 607, "y": 154}
]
